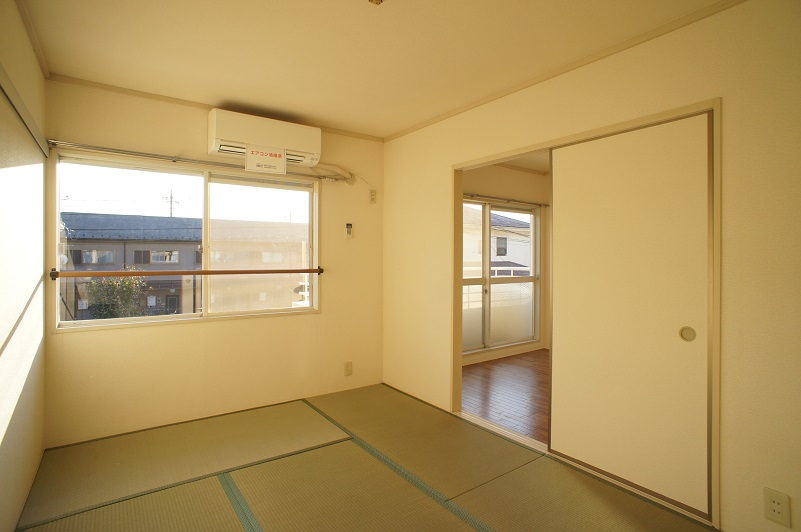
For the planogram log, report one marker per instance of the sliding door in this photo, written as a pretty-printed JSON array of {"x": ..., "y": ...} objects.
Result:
[
  {"x": 631, "y": 308},
  {"x": 500, "y": 280}
]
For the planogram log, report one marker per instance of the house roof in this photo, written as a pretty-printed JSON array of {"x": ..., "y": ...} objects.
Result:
[
  {"x": 473, "y": 216},
  {"x": 91, "y": 226},
  {"x": 502, "y": 221},
  {"x": 128, "y": 227}
]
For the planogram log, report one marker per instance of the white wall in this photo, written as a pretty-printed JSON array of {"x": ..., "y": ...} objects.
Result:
[
  {"x": 107, "y": 381},
  {"x": 21, "y": 312},
  {"x": 20, "y": 63},
  {"x": 750, "y": 56}
]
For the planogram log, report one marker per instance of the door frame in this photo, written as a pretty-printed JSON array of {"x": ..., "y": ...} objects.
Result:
[{"x": 713, "y": 109}]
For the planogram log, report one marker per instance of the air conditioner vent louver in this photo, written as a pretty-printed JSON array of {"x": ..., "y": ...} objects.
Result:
[
  {"x": 232, "y": 150},
  {"x": 295, "y": 158},
  {"x": 230, "y": 133}
]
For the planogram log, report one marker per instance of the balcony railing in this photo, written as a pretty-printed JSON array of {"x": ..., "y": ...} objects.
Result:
[{"x": 498, "y": 271}]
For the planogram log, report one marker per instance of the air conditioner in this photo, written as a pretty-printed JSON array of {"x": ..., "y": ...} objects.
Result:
[{"x": 229, "y": 133}]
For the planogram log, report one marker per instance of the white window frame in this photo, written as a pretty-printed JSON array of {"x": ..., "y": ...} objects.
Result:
[
  {"x": 487, "y": 281},
  {"x": 276, "y": 181},
  {"x": 206, "y": 173}
]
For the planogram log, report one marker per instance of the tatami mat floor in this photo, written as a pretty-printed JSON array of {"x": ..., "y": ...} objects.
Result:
[{"x": 365, "y": 459}]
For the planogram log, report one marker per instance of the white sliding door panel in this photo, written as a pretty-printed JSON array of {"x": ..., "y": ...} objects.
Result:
[{"x": 630, "y": 270}]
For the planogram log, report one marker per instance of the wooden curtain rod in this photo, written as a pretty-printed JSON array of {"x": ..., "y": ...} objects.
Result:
[{"x": 55, "y": 274}]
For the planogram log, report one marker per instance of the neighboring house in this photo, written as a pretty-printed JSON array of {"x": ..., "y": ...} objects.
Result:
[
  {"x": 114, "y": 242},
  {"x": 510, "y": 245}
]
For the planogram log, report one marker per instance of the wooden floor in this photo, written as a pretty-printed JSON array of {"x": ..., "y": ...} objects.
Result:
[{"x": 513, "y": 392}]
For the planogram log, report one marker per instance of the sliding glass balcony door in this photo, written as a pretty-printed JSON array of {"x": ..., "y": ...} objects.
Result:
[{"x": 500, "y": 275}]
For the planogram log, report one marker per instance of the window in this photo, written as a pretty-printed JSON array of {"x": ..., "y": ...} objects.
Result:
[
  {"x": 133, "y": 219},
  {"x": 92, "y": 256},
  {"x": 156, "y": 257},
  {"x": 164, "y": 257},
  {"x": 500, "y": 292},
  {"x": 255, "y": 225},
  {"x": 116, "y": 218},
  {"x": 500, "y": 246}
]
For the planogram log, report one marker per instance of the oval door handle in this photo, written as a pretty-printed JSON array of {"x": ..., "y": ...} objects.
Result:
[{"x": 687, "y": 334}]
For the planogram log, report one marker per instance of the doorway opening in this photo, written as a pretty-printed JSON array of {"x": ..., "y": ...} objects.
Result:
[{"x": 504, "y": 306}]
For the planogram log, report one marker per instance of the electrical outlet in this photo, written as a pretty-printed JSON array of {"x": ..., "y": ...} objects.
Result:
[
  {"x": 373, "y": 196},
  {"x": 777, "y": 507},
  {"x": 348, "y": 368}
]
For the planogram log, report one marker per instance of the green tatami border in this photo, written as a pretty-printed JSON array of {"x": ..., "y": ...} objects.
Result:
[
  {"x": 176, "y": 484},
  {"x": 410, "y": 477}
]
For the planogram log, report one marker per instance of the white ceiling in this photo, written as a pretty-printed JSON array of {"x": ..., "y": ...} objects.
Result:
[{"x": 344, "y": 64}]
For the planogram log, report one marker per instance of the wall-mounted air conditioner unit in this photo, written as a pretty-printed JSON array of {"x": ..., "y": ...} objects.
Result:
[{"x": 229, "y": 133}]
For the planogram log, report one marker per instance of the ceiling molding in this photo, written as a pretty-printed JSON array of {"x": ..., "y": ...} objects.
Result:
[
  {"x": 59, "y": 78},
  {"x": 121, "y": 90},
  {"x": 17, "y": 103},
  {"x": 664, "y": 29},
  {"x": 352, "y": 134},
  {"x": 33, "y": 37}
]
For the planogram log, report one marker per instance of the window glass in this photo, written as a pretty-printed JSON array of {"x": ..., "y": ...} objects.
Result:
[
  {"x": 511, "y": 243},
  {"x": 92, "y": 256},
  {"x": 104, "y": 257},
  {"x": 164, "y": 257},
  {"x": 258, "y": 225},
  {"x": 500, "y": 246},
  {"x": 115, "y": 219},
  {"x": 499, "y": 290},
  {"x": 471, "y": 240},
  {"x": 512, "y": 307},
  {"x": 472, "y": 317}
]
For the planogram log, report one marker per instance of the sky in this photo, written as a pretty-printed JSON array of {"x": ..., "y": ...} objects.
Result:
[
  {"x": 523, "y": 217},
  {"x": 105, "y": 190}
]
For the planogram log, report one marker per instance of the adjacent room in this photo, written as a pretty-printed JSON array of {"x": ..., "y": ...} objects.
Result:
[
  {"x": 505, "y": 295},
  {"x": 385, "y": 264}
]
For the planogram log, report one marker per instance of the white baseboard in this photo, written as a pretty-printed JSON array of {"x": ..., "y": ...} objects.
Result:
[{"x": 494, "y": 353}]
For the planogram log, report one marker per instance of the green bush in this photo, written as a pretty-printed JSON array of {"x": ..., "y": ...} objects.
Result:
[{"x": 117, "y": 297}]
